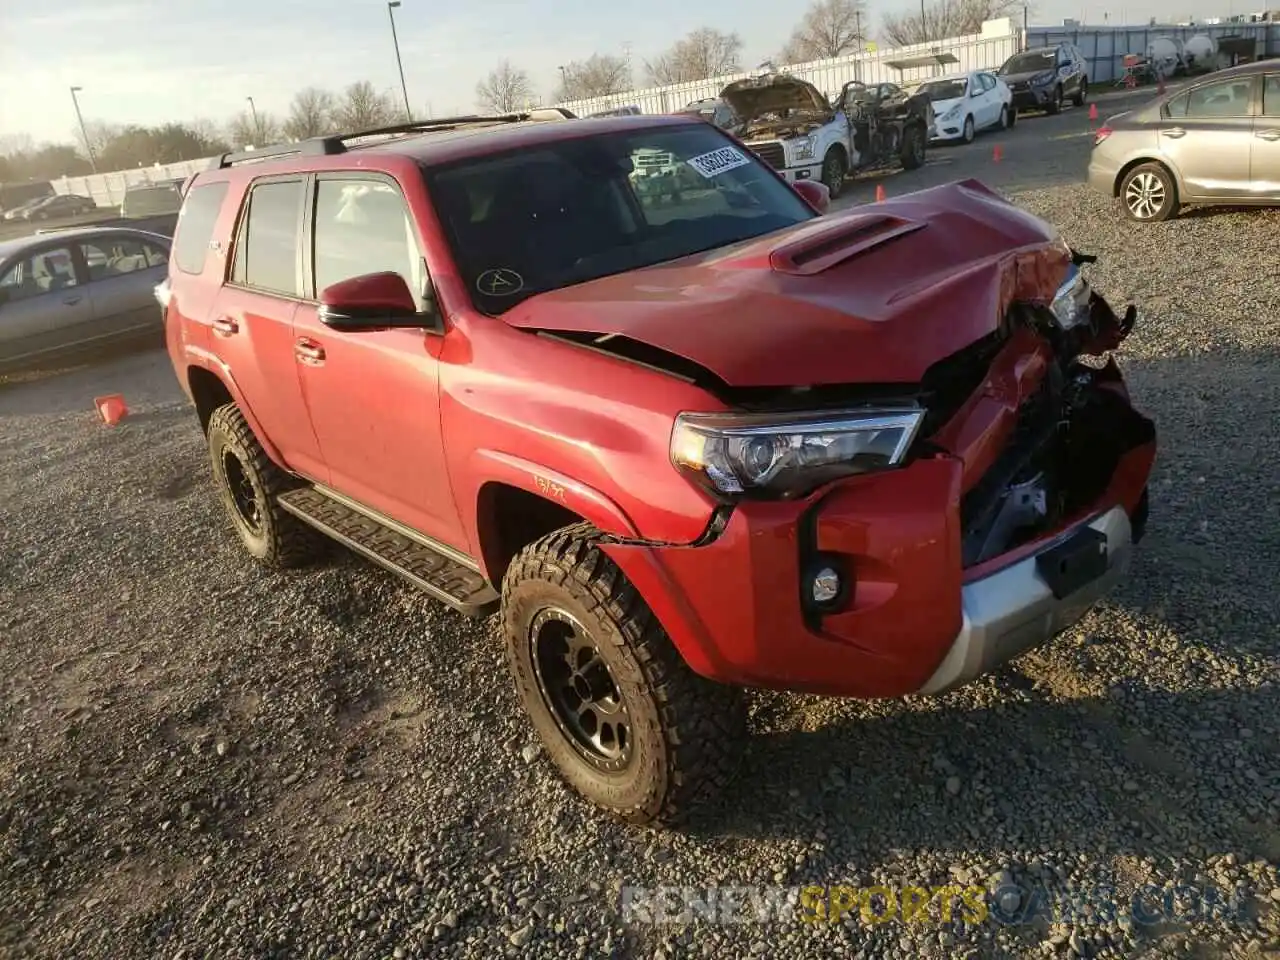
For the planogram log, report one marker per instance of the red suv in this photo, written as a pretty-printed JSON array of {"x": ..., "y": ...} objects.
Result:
[{"x": 686, "y": 446}]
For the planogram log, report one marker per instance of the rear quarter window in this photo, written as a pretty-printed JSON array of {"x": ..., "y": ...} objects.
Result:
[{"x": 196, "y": 220}]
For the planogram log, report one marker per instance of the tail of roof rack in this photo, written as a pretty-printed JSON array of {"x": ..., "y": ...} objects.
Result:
[{"x": 338, "y": 143}]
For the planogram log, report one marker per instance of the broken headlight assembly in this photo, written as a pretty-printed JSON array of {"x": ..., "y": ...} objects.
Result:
[
  {"x": 782, "y": 456},
  {"x": 1073, "y": 301}
]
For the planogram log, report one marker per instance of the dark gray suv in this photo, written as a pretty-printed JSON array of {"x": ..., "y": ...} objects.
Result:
[{"x": 1045, "y": 77}]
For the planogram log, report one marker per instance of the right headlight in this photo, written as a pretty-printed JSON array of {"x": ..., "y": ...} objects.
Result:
[
  {"x": 1071, "y": 302},
  {"x": 788, "y": 455}
]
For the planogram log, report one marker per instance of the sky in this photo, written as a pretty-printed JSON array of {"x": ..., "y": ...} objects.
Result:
[{"x": 147, "y": 62}]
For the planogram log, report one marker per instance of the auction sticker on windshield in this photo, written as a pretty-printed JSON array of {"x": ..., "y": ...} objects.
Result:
[{"x": 718, "y": 161}]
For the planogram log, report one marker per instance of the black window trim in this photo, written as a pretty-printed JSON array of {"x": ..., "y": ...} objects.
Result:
[
  {"x": 242, "y": 224},
  {"x": 310, "y": 294}
]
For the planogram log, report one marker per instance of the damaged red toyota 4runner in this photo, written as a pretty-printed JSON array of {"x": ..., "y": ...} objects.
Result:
[{"x": 688, "y": 441}]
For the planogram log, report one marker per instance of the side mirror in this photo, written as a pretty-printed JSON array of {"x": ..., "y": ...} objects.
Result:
[
  {"x": 372, "y": 301},
  {"x": 814, "y": 193}
]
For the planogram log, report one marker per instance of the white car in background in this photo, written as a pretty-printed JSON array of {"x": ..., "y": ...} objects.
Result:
[{"x": 967, "y": 103}]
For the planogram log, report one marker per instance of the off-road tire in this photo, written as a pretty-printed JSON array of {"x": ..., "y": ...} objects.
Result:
[
  {"x": 914, "y": 147},
  {"x": 1082, "y": 95},
  {"x": 279, "y": 539},
  {"x": 1054, "y": 106},
  {"x": 1167, "y": 185},
  {"x": 970, "y": 132},
  {"x": 835, "y": 167},
  {"x": 686, "y": 732}
]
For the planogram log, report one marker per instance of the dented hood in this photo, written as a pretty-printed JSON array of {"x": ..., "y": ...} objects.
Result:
[
  {"x": 756, "y": 97},
  {"x": 874, "y": 295}
]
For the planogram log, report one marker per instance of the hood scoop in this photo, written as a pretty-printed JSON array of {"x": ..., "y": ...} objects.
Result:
[{"x": 847, "y": 238}]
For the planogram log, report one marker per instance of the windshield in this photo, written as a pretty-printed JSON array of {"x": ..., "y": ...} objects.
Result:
[
  {"x": 1031, "y": 62},
  {"x": 937, "y": 90},
  {"x": 545, "y": 217}
]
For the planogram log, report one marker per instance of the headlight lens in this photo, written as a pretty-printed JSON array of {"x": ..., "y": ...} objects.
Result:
[
  {"x": 802, "y": 148},
  {"x": 1071, "y": 302},
  {"x": 1042, "y": 78},
  {"x": 788, "y": 456},
  {"x": 952, "y": 113}
]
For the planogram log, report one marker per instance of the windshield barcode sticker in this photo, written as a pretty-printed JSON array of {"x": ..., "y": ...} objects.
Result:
[{"x": 718, "y": 161}]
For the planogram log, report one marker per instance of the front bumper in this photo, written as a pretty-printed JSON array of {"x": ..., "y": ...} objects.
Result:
[
  {"x": 1033, "y": 98},
  {"x": 812, "y": 171},
  {"x": 949, "y": 130}
]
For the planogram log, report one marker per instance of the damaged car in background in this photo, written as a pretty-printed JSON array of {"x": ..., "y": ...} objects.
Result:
[
  {"x": 803, "y": 135},
  {"x": 684, "y": 445}
]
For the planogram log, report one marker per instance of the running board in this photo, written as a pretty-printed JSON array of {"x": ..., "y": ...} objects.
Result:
[{"x": 399, "y": 550}]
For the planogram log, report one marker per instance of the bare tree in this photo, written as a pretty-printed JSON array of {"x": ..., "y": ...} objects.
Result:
[
  {"x": 505, "y": 90},
  {"x": 244, "y": 130},
  {"x": 597, "y": 76},
  {"x": 310, "y": 114},
  {"x": 363, "y": 108},
  {"x": 830, "y": 28},
  {"x": 704, "y": 53},
  {"x": 946, "y": 18}
]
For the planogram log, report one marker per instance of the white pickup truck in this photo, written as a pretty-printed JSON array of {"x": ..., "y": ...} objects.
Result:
[{"x": 790, "y": 125}]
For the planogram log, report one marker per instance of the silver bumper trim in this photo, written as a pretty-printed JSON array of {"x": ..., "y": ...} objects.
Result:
[{"x": 1013, "y": 609}]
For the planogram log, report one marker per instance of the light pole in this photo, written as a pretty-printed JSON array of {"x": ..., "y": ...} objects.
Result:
[
  {"x": 257, "y": 127},
  {"x": 88, "y": 147},
  {"x": 391, "y": 15},
  {"x": 924, "y": 36}
]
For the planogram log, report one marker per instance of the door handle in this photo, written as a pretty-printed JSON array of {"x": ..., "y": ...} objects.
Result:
[
  {"x": 1268, "y": 135},
  {"x": 72, "y": 300},
  {"x": 225, "y": 327},
  {"x": 309, "y": 352},
  {"x": 1174, "y": 132}
]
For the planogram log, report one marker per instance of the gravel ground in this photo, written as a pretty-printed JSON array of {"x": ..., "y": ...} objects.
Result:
[{"x": 200, "y": 759}]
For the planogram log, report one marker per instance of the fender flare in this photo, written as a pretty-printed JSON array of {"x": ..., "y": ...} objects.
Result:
[{"x": 207, "y": 361}]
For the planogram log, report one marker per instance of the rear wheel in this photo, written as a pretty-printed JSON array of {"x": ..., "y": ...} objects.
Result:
[
  {"x": 623, "y": 718},
  {"x": 1149, "y": 193},
  {"x": 834, "y": 169},
  {"x": 913, "y": 147},
  {"x": 248, "y": 483}
]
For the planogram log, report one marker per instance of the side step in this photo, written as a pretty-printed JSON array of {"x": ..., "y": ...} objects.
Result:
[{"x": 398, "y": 549}]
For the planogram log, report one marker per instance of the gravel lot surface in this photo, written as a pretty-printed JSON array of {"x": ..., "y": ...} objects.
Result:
[{"x": 201, "y": 759}]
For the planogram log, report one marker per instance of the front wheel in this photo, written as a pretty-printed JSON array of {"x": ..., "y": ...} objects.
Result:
[
  {"x": 913, "y": 147},
  {"x": 1055, "y": 105},
  {"x": 834, "y": 169},
  {"x": 970, "y": 130},
  {"x": 623, "y": 718},
  {"x": 1082, "y": 95},
  {"x": 1004, "y": 118}
]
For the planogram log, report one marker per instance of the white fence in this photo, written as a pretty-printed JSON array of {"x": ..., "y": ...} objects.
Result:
[
  {"x": 1105, "y": 47},
  {"x": 108, "y": 189},
  {"x": 976, "y": 52}
]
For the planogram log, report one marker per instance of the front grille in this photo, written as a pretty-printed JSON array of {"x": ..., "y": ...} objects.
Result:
[{"x": 771, "y": 153}]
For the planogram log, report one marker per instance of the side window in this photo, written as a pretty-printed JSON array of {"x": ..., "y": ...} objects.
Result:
[
  {"x": 1229, "y": 98},
  {"x": 1176, "y": 108},
  {"x": 1271, "y": 96},
  {"x": 196, "y": 220},
  {"x": 362, "y": 227},
  {"x": 45, "y": 272},
  {"x": 116, "y": 256},
  {"x": 266, "y": 255},
  {"x": 988, "y": 82}
]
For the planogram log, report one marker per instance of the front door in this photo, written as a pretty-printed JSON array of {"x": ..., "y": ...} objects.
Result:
[
  {"x": 1264, "y": 155},
  {"x": 1208, "y": 135},
  {"x": 373, "y": 395},
  {"x": 43, "y": 304}
]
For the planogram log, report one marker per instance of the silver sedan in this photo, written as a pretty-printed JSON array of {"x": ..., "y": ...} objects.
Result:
[
  {"x": 76, "y": 290},
  {"x": 1216, "y": 142}
]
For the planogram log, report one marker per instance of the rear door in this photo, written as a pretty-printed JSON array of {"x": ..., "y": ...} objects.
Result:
[
  {"x": 123, "y": 272},
  {"x": 1264, "y": 154},
  {"x": 43, "y": 304},
  {"x": 1207, "y": 134}
]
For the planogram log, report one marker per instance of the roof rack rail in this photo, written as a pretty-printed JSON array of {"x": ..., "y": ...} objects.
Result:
[{"x": 337, "y": 143}]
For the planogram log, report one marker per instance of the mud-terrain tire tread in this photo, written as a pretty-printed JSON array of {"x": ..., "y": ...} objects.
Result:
[
  {"x": 287, "y": 541},
  {"x": 703, "y": 722}
]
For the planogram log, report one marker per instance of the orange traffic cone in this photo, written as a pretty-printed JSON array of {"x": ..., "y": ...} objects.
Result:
[
  {"x": 880, "y": 195},
  {"x": 111, "y": 408},
  {"x": 1093, "y": 113},
  {"x": 997, "y": 154}
]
